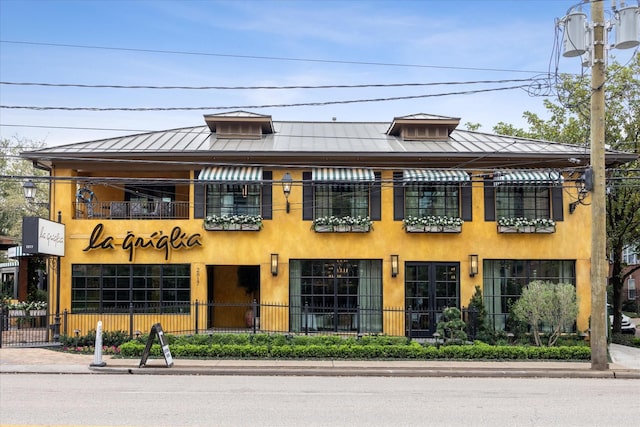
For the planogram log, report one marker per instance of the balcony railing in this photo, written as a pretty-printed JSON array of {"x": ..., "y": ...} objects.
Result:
[{"x": 131, "y": 210}]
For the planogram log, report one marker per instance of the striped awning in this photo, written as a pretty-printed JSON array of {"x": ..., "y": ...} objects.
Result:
[
  {"x": 237, "y": 174},
  {"x": 528, "y": 177},
  {"x": 343, "y": 174},
  {"x": 434, "y": 175}
]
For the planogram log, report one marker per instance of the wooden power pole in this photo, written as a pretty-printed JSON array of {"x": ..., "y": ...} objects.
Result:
[{"x": 599, "y": 265}]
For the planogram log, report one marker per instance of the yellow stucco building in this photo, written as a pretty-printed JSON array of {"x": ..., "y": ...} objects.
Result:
[{"x": 329, "y": 226}]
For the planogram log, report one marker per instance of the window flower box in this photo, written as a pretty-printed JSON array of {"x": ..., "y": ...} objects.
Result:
[
  {"x": 35, "y": 313},
  {"x": 17, "y": 313},
  {"x": 526, "y": 225},
  {"x": 432, "y": 224},
  {"x": 346, "y": 224},
  {"x": 233, "y": 223},
  {"x": 250, "y": 227}
]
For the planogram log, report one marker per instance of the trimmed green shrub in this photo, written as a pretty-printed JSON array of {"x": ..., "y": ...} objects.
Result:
[{"x": 279, "y": 347}]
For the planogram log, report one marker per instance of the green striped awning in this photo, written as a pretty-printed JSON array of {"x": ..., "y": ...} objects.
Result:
[
  {"x": 434, "y": 175},
  {"x": 237, "y": 174},
  {"x": 343, "y": 174},
  {"x": 528, "y": 177}
]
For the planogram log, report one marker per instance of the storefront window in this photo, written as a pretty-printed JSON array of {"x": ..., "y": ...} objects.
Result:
[
  {"x": 113, "y": 287},
  {"x": 336, "y": 295},
  {"x": 504, "y": 280}
]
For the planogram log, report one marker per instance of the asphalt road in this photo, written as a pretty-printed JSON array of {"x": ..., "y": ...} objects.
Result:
[{"x": 150, "y": 400}]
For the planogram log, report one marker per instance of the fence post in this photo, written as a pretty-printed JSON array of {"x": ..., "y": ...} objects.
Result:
[
  {"x": 197, "y": 306},
  {"x": 410, "y": 321},
  {"x": 131, "y": 320},
  {"x": 4, "y": 323},
  {"x": 473, "y": 322},
  {"x": 254, "y": 308},
  {"x": 305, "y": 316},
  {"x": 358, "y": 320},
  {"x": 65, "y": 324}
]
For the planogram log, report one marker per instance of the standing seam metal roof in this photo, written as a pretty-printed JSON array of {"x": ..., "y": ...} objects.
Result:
[{"x": 313, "y": 137}]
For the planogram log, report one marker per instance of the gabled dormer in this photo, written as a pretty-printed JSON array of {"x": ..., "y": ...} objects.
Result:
[
  {"x": 420, "y": 127},
  {"x": 239, "y": 125}
]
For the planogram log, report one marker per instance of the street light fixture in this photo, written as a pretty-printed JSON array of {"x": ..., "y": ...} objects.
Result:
[
  {"x": 29, "y": 189},
  {"x": 286, "y": 187}
]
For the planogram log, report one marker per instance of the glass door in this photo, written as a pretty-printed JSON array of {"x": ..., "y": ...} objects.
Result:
[{"x": 429, "y": 288}]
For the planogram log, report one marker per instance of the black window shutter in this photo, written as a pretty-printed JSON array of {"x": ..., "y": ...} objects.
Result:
[
  {"x": 198, "y": 197},
  {"x": 398, "y": 197},
  {"x": 375, "y": 208},
  {"x": 467, "y": 207},
  {"x": 489, "y": 200},
  {"x": 557, "y": 210},
  {"x": 307, "y": 196},
  {"x": 267, "y": 195}
]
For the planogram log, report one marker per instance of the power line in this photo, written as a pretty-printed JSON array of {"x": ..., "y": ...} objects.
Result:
[
  {"x": 270, "y": 58},
  {"x": 339, "y": 86},
  {"x": 233, "y": 107}
]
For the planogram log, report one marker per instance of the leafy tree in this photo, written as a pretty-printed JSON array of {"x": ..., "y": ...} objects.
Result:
[
  {"x": 569, "y": 122},
  {"x": 13, "y": 171},
  {"x": 547, "y": 306}
]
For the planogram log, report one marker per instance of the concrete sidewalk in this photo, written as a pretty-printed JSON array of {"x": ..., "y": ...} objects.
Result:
[{"x": 625, "y": 364}]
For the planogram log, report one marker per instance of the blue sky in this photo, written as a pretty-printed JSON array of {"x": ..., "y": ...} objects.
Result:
[{"x": 271, "y": 43}]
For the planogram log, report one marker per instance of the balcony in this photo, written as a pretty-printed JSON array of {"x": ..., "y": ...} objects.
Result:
[{"x": 131, "y": 210}]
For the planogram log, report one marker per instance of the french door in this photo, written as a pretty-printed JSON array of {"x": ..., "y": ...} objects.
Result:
[{"x": 429, "y": 288}]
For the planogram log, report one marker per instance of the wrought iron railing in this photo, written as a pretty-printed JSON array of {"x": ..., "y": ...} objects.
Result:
[
  {"x": 23, "y": 329},
  {"x": 131, "y": 210}
]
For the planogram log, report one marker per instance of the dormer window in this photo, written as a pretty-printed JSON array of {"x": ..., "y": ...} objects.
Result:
[
  {"x": 239, "y": 130},
  {"x": 239, "y": 125},
  {"x": 420, "y": 127}
]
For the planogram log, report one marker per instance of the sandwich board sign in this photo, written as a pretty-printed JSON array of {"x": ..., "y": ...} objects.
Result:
[{"x": 157, "y": 330}]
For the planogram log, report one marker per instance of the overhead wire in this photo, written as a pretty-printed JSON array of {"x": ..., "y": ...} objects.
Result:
[
  {"x": 272, "y": 58},
  {"x": 232, "y": 107},
  {"x": 271, "y": 87}
]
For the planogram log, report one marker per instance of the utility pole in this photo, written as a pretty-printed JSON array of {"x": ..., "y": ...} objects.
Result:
[{"x": 599, "y": 266}]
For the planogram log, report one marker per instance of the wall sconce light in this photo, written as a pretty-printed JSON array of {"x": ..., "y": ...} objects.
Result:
[
  {"x": 394, "y": 265},
  {"x": 286, "y": 187},
  {"x": 274, "y": 264},
  {"x": 473, "y": 265}
]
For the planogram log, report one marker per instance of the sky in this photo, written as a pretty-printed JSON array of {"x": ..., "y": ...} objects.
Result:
[{"x": 221, "y": 55}]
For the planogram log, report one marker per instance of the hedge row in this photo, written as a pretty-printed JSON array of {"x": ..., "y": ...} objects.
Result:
[{"x": 354, "y": 349}]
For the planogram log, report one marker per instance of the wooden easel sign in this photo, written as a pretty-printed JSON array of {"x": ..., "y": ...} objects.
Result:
[{"x": 156, "y": 330}]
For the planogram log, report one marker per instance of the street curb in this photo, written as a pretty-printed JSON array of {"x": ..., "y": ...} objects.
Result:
[
  {"x": 373, "y": 372},
  {"x": 344, "y": 371}
]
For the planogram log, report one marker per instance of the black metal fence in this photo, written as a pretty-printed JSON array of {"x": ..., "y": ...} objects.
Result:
[{"x": 41, "y": 328}]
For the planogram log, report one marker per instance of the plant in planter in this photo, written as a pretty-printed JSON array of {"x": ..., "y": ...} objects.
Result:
[
  {"x": 451, "y": 327},
  {"x": 432, "y": 223},
  {"x": 38, "y": 308},
  {"x": 233, "y": 222},
  {"x": 342, "y": 224},
  {"x": 526, "y": 225}
]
